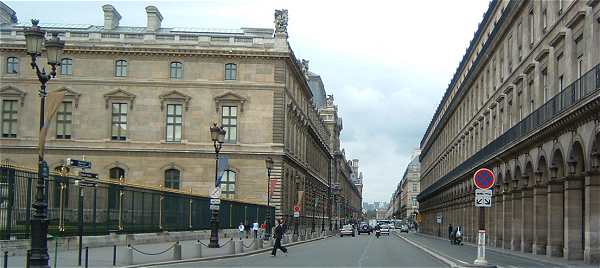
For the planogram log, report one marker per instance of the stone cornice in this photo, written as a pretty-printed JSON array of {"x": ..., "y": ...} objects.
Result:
[
  {"x": 557, "y": 39},
  {"x": 542, "y": 54},
  {"x": 574, "y": 21}
]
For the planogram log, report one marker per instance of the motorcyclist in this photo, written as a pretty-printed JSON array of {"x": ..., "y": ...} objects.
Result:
[{"x": 377, "y": 230}]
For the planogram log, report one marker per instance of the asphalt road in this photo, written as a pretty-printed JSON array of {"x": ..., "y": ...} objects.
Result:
[{"x": 360, "y": 251}]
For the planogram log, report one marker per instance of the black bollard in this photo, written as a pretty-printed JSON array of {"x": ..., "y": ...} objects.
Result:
[
  {"x": 115, "y": 255},
  {"x": 5, "y": 259},
  {"x": 86, "y": 257},
  {"x": 27, "y": 260}
]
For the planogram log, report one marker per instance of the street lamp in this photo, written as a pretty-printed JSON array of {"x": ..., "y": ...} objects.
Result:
[
  {"x": 269, "y": 164},
  {"x": 217, "y": 134},
  {"x": 34, "y": 38}
]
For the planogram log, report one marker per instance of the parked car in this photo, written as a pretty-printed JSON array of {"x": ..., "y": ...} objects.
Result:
[
  {"x": 364, "y": 228},
  {"x": 404, "y": 228},
  {"x": 385, "y": 229},
  {"x": 347, "y": 230}
]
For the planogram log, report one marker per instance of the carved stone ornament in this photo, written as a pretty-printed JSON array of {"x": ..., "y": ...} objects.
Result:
[
  {"x": 230, "y": 98},
  {"x": 329, "y": 100},
  {"x": 13, "y": 92},
  {"x": 71, "y": 95},
  {"x": 281, "y": 20},
  {"x": 174, "y": 96},
  {"x": 119, "y": 94},
  {"x": 304, "y": 65}
]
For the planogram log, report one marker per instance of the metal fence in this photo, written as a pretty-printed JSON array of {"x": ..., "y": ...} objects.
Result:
[
  {"x": 586, "y": 85},
  {"x": 106, "y": 206}
]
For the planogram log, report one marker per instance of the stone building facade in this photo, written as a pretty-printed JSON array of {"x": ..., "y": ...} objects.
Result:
[
  {"x": 410, "y": 188},
  {"x": 523, "y": 102},
  {"x": 140, "y": 100}
]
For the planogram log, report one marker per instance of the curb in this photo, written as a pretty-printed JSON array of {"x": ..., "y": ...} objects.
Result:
[
  {"x": 220, "y": 257},
  {"x": 440, "y": 257}
]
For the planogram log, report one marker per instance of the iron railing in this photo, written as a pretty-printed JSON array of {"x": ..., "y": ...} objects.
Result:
[
  {"x": 586, "y": 85},
  {"x": 110, "y": 206}
]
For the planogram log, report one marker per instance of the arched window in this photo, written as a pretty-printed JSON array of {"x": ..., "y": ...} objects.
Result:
[
  {"x": 172, "y": 178},
  {"x": 228, "y": 184},
  {"x": 230, "y": 71},
  {"x": 113, "y": 190},
  {"x": 176, "y": 70},
  {"x": 12, "y": 65},
  {"x": 121, "y": 68},
  {"x": 66, "y": 66}
]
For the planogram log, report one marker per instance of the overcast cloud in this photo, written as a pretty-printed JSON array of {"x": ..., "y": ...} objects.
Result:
[{"x": 387, "y": 63}]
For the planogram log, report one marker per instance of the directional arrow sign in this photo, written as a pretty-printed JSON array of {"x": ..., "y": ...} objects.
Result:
[
  {"x": 88, "y": 175},
  {"x": 483, "y": 198},
  {"x": 79, "y": 163}
]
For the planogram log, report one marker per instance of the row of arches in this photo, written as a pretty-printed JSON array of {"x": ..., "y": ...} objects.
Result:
[{"x": 546, "y": 201}]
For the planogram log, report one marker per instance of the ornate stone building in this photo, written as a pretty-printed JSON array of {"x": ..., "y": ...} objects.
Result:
[
  {"x": 140, "y": 101},
  {"x": 524, "y": 102}
]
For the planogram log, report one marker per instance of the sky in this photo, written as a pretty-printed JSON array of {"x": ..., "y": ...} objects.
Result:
[{"x": 387, "y": 63}]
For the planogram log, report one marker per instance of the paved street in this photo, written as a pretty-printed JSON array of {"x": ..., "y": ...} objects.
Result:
[{"x": 359, "y": 251}]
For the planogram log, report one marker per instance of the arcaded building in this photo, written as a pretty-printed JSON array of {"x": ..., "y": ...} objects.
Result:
[
  {"x": 524, "y": 102},
  {"x": 140, "y": 100}
]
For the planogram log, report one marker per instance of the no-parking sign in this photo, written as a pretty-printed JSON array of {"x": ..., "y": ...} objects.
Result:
[{"x": 484, "y": 178}]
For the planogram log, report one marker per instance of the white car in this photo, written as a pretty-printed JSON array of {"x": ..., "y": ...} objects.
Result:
[
  {"x": 384, "y": 229},
  {"x": 347, "y": 230}
]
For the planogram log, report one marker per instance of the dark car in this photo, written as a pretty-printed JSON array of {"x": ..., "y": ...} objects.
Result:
[{"x": 364, "y": 228}]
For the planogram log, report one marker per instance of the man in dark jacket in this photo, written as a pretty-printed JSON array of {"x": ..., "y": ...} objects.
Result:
[{"x": 278, "y": 234}]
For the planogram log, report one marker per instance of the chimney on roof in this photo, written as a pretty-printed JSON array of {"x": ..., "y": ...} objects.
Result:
[
  {"x": 154, "y": 18},
  {"x": 111, "y": 17}
]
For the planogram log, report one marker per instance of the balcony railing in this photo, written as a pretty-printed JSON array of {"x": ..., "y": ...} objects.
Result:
[{"x": 583, "y": 87}]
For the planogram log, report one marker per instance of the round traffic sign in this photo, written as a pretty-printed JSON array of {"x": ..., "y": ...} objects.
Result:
[
  {"x": 484, "y": 178},
  {"x": 296, "y": 208}
]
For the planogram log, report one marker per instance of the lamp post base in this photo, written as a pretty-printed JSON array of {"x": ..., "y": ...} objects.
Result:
[{"x": 214, "y": 230}]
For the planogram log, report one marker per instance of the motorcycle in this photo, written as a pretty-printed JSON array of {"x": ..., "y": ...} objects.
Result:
[{"x": 458, "y": 237}]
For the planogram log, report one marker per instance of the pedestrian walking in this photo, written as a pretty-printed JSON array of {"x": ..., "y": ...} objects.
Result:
[
  {"x": 450, "y": 229},
  {"x": 255, "y": 229},
  {"x": 278, "y": 234},
  {"x": 241, "y": 229}
]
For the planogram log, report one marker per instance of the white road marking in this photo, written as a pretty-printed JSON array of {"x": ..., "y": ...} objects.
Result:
[{"x": 363, "y": 256}]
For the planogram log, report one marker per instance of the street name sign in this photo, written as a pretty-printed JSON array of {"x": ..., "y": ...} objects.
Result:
[
  {"x": 88, "y": 175},
  {"x": 87, "y": 184},
  {"x": 484, "y": 178},
  {"x": 214, "y": 207},
  {"x": 79, "y": 163},
  {"x": 296, "y": 214},
  {"x": 483, "y": 198},
  {"x": 215, "y": 201}
]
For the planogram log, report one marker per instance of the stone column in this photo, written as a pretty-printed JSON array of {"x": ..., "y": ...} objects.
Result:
[
  {"x": 573, "y": 246},
  {"x": 515, "y": 243},
  {"x": 499, "y": 220},
  {"x": 540, "y": 218},
  {"x": 527, "y": 219},
  {"x": 507, "y": 218},
  {"x": 554, "y": 247},
  {"x": 592, "y": 217}
]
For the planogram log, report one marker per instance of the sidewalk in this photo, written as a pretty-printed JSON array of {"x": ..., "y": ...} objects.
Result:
[
  {"x": 465, "y": 255},
  {"x": 103, "y": 256}
]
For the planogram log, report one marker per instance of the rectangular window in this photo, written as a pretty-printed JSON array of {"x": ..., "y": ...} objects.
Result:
[
  {"x": 174, "y": 122},
  {"x": 560, "y": 83},
  {"x": 9, "y": 119},
  {"x": 560, "y": 6},
  {"x": 229, "y": 122},
  {"x": 230, "y": 71},
  {"x": 531, "y": 27},
  {"x": 64, "y": 121},
  {"x": 545, "y": 19},
  {"x": 12, "y": 65},
  {"x": 509, "y": 53},
  {"x": 545, "y": 87},
  {"x": 414, "y": 187},
  {"x": 121, "y": 68},
  {"x": 520, "y": 41},
  {"x": 66, "y": 66},
  {"x": 119, "y": 122}
]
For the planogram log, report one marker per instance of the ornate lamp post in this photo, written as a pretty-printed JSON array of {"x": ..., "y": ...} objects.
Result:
[
  {"x": 217, "y": 134},
  {"x": 269, "y": 164},
  {"x": 34, "y": 39}
]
